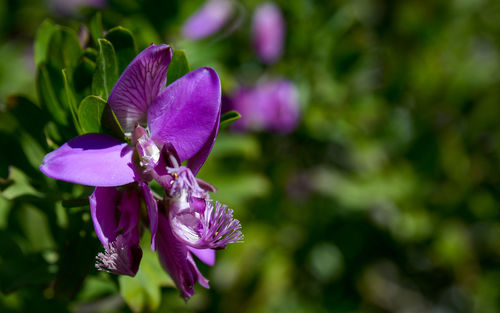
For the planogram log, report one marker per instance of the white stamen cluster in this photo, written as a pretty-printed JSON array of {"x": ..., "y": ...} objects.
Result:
[{"x": 115, "y": 259}]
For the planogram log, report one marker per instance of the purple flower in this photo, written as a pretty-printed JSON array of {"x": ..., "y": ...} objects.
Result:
[
  {"x": 208, "y": 20},
  {"x": 166, "y": 126},
  {"x": 72, "y": 6},
  {"x": 268, "y": 32},
  {"x": 269, "y": 106},
  {"x": 185, "y": 115},
  {"x": 194, "y": 219}
]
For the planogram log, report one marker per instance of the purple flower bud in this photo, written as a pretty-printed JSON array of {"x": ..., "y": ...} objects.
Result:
[
  {"x": 208, "y": 20},
  {"x": 270, "y": 106},
  {"x": 268, "y": 32}
]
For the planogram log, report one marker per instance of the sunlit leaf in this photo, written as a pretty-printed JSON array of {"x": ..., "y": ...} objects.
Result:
[
  {"x": 106, "y": 71},
  {"x": 228, "y": 118},
  {"x": 124, "y": 44},
  {"x": 178, "y": 67},
  {"x": 71, "y": 101},
  {"x": 90, "y": 114}
]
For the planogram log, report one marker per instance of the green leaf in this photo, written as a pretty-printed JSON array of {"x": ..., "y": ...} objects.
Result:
[
  {"x": 228, "y": 118},
  {"x": 82, "y": 78},
  {"x": 91, "y": 54},
  {"x": 106, "y": 71},
  {"x": 71, "y": 101},
  {"x": 64, "y": 49},
  {"x": 110, "y": 124},
  {"x": 20, "y": 185},
  {"x": 124, "y": 44},
  {"x": 32, "y": 149},
  {"x": 90, "y": 114},
  {"x": 42, "y": 41},
  {"x": 96, "y": 28},
  {"x": 178, "y": 67},
  {"x": 142, "y": 293},
  {"x": 47, "y": 95}
]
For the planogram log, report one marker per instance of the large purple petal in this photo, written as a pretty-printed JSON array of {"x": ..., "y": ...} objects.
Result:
[
  {"x": 91, "y": 159},
  {"x": 103, "y": 203},
  {"x": 197, "y": 160},
  {"x": 207, "y": 256},
  {"x": 187, "y": 112},
  {"x": 143, "y": 79},
  {"x": 208, "y": 20},
  {"x": 152, "y": 207},
  {"x": 177, "y": 260}
]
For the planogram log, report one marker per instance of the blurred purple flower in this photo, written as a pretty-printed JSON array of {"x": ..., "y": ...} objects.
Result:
[
  {"x": 185, "y": 116},
  {"x": 269, "y": 106},
  {"x": 209, "y": 19},
  {"x": 72, "y": 6},
  {"x": 268, "y": 32}
]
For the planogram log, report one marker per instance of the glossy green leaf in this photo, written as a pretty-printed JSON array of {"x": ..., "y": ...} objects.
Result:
[
  {"x": 42, "y": 41},
  {"x": 106, "y": 71},
  {"x": 64, "y": 49},
  {"x": 90, "y": 114},
  {"x": 124, "y": 44},
  {"x": 70, "y": 96},
  {"x": 228, "y": 118},
  {"x": 178, "y": 67},
  {"x": 142, "y": 293},
  {"x": 47, "y": 95}
]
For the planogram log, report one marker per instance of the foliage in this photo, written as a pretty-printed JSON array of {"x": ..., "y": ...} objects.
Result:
[{"x": 385, "y": 199}]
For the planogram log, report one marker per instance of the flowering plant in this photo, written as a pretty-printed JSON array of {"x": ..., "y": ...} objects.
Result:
[{"x": 160, "y": 126}]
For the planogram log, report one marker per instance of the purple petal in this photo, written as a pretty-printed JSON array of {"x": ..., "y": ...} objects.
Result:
[
  {"x": 197, "y": 161},
  {"x": 271, "y": 106},
  {"x": 287, "y": 108},
  {"x": 91, "y": 159},
  {"x": 103, "y": 203},
  {"x": 187, "y": 112},
  {"x": 141, "y": 82},
  {"x": 152, "y": 207},
  {"x": 268, "y": 31},
  {"x": 116, "y": 221},
  {"x": 207, "y": 256},
  {"x": 176, "y": 259},
  {"x": 208, "y": 20}
]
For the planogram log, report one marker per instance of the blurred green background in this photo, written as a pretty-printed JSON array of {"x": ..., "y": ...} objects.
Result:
[{"x": 384, "y": 199}]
